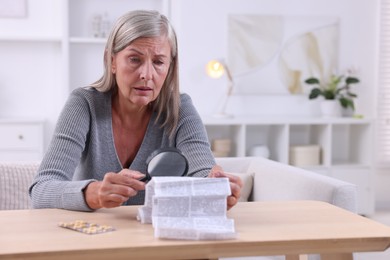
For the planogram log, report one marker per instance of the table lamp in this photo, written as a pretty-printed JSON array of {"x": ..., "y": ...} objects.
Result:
[{"x": 216, "y": 69}]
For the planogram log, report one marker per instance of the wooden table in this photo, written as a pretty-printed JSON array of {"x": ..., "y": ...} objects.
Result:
[{"x": 264, "y": 228}]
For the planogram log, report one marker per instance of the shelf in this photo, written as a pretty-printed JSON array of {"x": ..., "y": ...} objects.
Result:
[
  {"x": 21, "y": 120},
  {"x": 82, "y": 40},
  {"x": 340, "y": 165},
  {"x": 49, "y": 39},
  {"x": 255, "y": 120},
  {"x": 345, "y": 145},
  {"x": 346, "y": 140}
]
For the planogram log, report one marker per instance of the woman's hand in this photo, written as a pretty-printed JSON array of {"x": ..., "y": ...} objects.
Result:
[
  {"x": 235, "y": 184},
  {"x": 114, "y": 189}
]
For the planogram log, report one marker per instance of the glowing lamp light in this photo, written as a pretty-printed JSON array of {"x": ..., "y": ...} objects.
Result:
[{"x": 215, "y": 69}]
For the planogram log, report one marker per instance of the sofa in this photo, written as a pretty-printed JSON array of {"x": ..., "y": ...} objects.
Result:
[
  {"x": 263, "y": 179},
  {"x": 267, "y": 180},
  {"x": 15, "y": 179}
]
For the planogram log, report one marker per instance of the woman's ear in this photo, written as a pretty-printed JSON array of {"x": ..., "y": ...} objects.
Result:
[
  {"x": 111, "y": 62},
  {"x": 113, "y": 65}
]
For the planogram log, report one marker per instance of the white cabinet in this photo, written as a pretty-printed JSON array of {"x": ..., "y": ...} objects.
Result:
[
  {"x": 21, "y": 140},
  {"x": 345, "y": 145}
]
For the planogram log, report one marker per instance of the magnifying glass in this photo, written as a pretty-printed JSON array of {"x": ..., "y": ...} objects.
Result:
[{"x": 168, "y": 161}]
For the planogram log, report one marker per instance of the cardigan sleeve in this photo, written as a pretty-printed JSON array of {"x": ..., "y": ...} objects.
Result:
[{"x": 53, "y": 186}]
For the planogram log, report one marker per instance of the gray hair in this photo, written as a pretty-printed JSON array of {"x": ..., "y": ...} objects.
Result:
[{"x": 145, "y": 24}]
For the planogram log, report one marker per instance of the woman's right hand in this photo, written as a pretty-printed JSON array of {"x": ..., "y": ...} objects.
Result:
[{"x": 114, "y": 189}]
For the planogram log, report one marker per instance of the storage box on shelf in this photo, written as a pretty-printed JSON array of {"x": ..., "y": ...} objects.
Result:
[
  {"x": 304, "y": 155},
  {"x": 21, "y": 140},
  {"x": 344, "y": 144}
]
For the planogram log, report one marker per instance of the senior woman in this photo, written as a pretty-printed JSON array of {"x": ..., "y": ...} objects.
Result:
[{"x": 107, "y": 130}]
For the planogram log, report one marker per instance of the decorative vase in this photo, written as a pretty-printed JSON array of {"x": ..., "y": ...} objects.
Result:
[
  {"x": 330, "y": 108},
  {"x": 347, "y": 112},
  {"x": 259, "y": 151}
]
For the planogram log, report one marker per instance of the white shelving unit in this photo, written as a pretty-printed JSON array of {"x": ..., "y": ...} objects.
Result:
[{"x": 345, "y": 143}]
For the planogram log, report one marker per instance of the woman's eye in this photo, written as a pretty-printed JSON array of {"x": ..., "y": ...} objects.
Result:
[
  {"x": 134, "y": 60},
  {"x": 159, "y": 62}
]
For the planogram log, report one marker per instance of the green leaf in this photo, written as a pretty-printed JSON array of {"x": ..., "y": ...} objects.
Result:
[
  {"x": 351, "y": 80},
  {"x": 315, "y": 92},
  {"x": 312, "y": 81},
  {"x": 335, "y": 80},
  {"x": 329, "y": 94}
]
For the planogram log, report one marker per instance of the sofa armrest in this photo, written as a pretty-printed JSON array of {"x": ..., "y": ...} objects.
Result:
[{"x": 277, "y": 181}]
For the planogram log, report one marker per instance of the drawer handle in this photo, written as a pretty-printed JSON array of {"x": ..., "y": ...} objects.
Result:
[{"x": 20, "y": 137}]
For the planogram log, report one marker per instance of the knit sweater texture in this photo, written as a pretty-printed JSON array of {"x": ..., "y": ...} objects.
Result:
[{"x": 82, "y": 149}]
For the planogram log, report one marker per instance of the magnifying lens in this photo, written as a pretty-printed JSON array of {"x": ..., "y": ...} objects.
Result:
[{"x": 168, "y": 161}]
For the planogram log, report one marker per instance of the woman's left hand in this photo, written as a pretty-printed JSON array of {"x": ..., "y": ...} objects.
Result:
[{"x": 235, "y": 184}]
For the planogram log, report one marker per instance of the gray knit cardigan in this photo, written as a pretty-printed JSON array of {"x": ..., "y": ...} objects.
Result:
[{"x": 82, "y": 149}]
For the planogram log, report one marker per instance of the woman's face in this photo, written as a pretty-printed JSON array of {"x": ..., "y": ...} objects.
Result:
[{"x": 141, "y": 68}]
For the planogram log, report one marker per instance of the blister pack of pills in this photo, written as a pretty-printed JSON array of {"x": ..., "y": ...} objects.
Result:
[{"x": 86, "y": 227}]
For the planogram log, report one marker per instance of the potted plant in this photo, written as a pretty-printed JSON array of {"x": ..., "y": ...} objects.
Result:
[{"x": 337, "y": 88}]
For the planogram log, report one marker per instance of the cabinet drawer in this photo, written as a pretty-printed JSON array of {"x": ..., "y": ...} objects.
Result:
[{"x": 21, "y": 137}]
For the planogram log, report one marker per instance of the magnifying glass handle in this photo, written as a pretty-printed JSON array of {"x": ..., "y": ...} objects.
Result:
[{"x": 146, "y": 178}]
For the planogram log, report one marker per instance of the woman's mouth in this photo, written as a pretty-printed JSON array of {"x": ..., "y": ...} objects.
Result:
[{"x": 143, "y": 89}]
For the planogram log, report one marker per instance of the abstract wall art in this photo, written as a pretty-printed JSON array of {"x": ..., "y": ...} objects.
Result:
[{"x": 270, "y": 54}]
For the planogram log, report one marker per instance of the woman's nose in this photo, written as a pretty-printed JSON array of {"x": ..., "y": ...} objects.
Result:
[{"x": 146, "y": 71}]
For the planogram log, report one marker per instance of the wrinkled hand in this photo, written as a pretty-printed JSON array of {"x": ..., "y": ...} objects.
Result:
[
  {"x": 114, "y": 189},
  {"x": 235, "y": 184}
]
